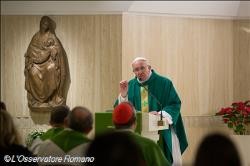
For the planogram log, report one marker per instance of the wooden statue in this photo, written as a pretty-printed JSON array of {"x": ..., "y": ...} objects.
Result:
[{"x": 47, "y": 77}]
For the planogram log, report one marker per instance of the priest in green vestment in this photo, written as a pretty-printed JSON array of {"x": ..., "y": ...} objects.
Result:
[
  {"x": 72, "y": 142},
  {"x": 57, "y": 121},
  {"x": 151, "y": 92}
]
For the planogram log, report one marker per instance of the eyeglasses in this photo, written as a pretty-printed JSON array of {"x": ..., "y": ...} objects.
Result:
[{"x": 142, "y": 68}]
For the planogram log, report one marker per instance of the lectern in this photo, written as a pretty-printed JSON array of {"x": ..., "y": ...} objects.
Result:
[{"x": 146, "y": 124}]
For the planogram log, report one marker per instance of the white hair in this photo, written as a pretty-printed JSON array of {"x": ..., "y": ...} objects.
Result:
[{"x": 139, "y": 59}]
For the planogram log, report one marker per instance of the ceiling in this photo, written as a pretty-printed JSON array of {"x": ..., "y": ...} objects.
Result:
[{"x": 225, "y": 9}]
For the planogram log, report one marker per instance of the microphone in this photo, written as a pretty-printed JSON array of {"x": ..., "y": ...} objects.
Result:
[{"x": 160, "y": 122}]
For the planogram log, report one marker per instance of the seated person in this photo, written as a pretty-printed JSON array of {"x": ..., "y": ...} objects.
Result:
[
  {"x": 115, "y": 148},
  {"x": 57, "y": 121},
  {"x": 217, "y": 149},
  {"x": 72, "y": 141},
  {"x": 10, "y": 142},
  {"x": 124, "y": 119}
]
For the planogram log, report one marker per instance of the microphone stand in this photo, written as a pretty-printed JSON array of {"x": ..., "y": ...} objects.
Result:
[{"x": 160, "y": 122}]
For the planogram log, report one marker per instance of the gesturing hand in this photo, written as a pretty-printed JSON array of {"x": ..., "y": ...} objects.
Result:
[{"x": 124, "y": 88}]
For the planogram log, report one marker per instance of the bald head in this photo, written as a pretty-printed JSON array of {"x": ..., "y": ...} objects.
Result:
[{"x": 80, "y": 119}]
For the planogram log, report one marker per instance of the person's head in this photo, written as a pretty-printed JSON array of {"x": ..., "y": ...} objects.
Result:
[
  {"x": 58, "y": 115},
  {"x": 80, "y": 119},
  {"x": 2, "y": 106},
  {"x": 115, "y": 148},
  {"x": 47, "y": 24},
  {"x": 217, "y": 149},
  {"x": 124, "y": 116},
  {"x": 141, "y": 68},
  {"x": 9, "y": 134},
  {"x": 50, "y": 42}
]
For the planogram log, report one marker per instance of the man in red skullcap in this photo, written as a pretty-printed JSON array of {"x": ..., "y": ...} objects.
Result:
[{"x": 124, "y": 119}]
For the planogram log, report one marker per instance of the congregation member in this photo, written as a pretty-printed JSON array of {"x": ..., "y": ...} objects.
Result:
[
  {"x": 124, "y": 119},
  {"x": 217, "y": 149},
  {"x": 115, "y": 149},
  {"x": 71, "y": 143},
  {"x": 57, "y": 121},
  {"x": 11, "y": 148}
]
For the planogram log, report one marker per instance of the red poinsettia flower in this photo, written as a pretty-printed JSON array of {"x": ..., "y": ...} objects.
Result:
[
  {"x": 223, "y": 111},
  {"x": 245, "y": 113},
  {"x": 248, "y": 109},
  {"x": 225, "y": 120},
  {"x": 239, "y": 105},
  {"x": 237, "y": 116}
]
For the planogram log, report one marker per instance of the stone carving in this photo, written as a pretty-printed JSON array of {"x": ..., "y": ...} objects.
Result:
[{"x": 47, "y": 77}]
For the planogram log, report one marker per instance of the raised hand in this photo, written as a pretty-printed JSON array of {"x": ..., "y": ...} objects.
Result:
[{"x": 124, "y": 88}]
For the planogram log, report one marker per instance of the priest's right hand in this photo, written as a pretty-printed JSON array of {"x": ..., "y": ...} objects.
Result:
[{"x": 124, "y": 88}]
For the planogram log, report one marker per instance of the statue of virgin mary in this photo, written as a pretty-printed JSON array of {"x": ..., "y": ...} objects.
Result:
[{"x": 47, "y": 77}]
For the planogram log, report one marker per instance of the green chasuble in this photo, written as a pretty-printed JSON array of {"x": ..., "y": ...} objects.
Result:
[
  {"x": 163, "y": 90},
  {"x": 152, "y": 153},
  {"x": 51, "y": 133},
  {"x": 69, "y": 139}
]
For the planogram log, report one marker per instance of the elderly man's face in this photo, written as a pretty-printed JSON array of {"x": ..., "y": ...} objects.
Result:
[{"x": 141, "y": 70}]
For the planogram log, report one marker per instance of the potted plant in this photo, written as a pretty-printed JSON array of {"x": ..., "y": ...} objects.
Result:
[
  {"x": 33, "y": 135},
  {"x": 237, "y": 116}
]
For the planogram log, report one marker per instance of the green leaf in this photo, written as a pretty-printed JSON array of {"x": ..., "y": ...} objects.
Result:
[
  {"x": 233, "y": 118},
  {"x": 230, "y": 125}
]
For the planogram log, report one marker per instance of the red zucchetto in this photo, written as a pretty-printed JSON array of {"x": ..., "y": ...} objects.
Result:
[{"x": 122, "y": 113}]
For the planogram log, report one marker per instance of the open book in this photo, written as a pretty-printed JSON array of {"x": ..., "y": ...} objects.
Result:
[{"x": 150, "y": 122}]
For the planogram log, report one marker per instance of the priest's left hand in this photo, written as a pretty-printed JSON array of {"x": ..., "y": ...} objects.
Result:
[{"x": 167, "y": 116}]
